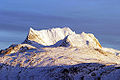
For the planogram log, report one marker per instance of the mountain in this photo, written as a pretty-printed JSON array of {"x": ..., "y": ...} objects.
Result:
[{"x": 59, "y": 54}]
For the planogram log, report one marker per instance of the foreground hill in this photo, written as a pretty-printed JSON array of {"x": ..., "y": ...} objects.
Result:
[{"x": 59, "y": 54}]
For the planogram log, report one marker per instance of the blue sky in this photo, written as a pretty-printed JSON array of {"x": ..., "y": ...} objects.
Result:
[
  {"x": 105, "y": 11},
  {"x": 66, "y": 8}
]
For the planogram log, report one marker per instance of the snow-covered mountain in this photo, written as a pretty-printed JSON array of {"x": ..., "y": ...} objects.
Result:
[{"x": 59, "y": 54}]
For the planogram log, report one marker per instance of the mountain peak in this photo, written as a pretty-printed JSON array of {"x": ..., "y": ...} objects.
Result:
[
  {"x": 59, "y": 53},
  {"x": 61, "y": 36}
]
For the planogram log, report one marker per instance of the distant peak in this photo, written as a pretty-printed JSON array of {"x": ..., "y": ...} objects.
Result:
[{"x": 61, "y": 36}]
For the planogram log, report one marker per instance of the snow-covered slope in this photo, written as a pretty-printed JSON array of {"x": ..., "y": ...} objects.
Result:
[{"x": 59, "y": 54}]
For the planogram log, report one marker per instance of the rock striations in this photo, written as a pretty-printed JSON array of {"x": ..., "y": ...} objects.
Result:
[{"x": 59, "y": 54}]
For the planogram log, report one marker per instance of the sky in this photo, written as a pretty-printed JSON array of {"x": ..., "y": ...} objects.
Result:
[{"x": 98, "y": 17}]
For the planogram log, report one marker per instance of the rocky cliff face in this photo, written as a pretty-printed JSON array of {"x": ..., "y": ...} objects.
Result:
[{"x": 59, "y": 54}]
